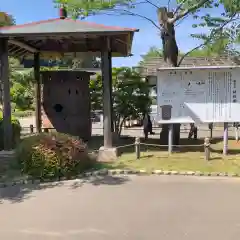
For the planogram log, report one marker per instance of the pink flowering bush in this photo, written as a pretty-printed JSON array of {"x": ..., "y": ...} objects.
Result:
[{"x": 50, "y": 155}]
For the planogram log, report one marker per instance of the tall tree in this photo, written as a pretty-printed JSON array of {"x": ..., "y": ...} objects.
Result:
[{"x": 223, "y": 25}]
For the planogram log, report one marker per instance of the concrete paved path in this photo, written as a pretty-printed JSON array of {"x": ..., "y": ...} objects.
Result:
[
  {"x": 107, "y": 208},
  {"x": 97, "y": 129}
]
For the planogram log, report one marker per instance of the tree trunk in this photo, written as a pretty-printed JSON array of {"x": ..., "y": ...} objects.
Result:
[{"x": 170, "y": 54}]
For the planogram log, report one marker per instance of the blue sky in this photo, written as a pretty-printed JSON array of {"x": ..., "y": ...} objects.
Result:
[{"x": 29, "y": 10}]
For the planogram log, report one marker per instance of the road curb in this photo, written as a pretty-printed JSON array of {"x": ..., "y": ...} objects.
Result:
[
  {"x": 118, "y": 172},
  {"x": 161, "y": 172}
]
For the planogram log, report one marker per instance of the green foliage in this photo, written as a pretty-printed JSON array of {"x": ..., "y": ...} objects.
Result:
[
  {"x": 22, "y": 114},
  {"x": 21, "y": 82},
  {"x": 22, "y": 87},
  {"x": 16, "y": 131},
  {"x": 95, "y": 87},
  {"x": 9, "y": 21},
  {"x": 130, "y": 95},
  {"x": 205, "y": 51},
  {"x": 50, "y": 155},
  {"x": 152, "y": 52}
]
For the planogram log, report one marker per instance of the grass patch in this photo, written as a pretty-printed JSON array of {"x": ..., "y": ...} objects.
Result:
[
  {"x": 154, "y": 158},
  {"x": 185, "y": 159}
]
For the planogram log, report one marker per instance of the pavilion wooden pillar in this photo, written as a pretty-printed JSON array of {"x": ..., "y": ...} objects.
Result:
[
  {"x": 111, "y": 90},
  {"x": 107, "y": 84},
  {"x": 7, "y": 126},
  {"x": 38, "y": 112}
]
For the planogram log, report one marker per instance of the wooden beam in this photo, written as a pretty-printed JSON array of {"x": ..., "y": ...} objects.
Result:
[
  {"x": 107, "y": 84},
  {"x": 38, "y": 112},
  {"x": 7, "y": 125},
  {"x": 23, "y": 45}
]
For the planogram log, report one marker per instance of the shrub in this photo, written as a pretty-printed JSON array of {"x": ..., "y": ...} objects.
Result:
[
  {"x": 23, "y": 114},
  {"x": 49, "y": 155},
  {"x": 16, "y": 131}
]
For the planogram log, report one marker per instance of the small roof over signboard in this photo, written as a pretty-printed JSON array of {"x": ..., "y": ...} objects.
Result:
[
  {"x": 66, "y": 35},
  {"x": 150, "y": 66},
  {"x": 197, "y": 68}
]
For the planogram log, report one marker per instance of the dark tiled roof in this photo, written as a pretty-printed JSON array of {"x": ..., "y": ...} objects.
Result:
[
  {"x": 61, "y": 26},
  {"x": 152, "y": 64}
]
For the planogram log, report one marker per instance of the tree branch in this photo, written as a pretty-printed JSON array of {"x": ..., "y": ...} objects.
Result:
[
  {"x": 201, "y": 45},
  {"x": 168, "y": 5},
  {"x": 148, "y": 1},
  {"x": 186, "y": 12},
  {"x": 208, "y": 40},
  {"x": 177, "y": 9},
  {"x": 141, "y": 16}
]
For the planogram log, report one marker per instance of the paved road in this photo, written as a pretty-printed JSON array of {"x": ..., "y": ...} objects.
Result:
[
  {"x": 138, "y": 132},
  {"x": 136, "y": 208}
]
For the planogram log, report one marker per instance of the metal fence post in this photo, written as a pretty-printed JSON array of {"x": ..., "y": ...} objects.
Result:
[
  {"x": 137, "y": 147},
  {"x": 31, "y": 128},
  {"x": 207, "y": 148}
]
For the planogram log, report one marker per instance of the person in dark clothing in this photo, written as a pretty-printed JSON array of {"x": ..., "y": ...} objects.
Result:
[
  {"x": 147, "y": 126},
  {"x": 193, "y": 131}
]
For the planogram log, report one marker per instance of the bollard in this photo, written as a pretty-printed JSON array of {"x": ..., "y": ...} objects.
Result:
[
  {"x": 210, "y": 126},
  {"x": 170, "y": 139},
  {"x": 31, "y": 128},
  {"x": 207, "y": 148},
  {"x": 236, "y": 133},
  {"x": 137, "y": 147},
  {"x": 225, "y": 139}
]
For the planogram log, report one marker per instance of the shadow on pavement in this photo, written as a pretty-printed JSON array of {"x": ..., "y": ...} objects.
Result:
[
  {"x": 100, "y": 180},
  {"x": 19, "y": 193}
]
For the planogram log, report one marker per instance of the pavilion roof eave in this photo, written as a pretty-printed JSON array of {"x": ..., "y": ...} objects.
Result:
[
  {"x": 70, "y": 34},
  {"x": 16, "y": 46},
  {"x": 31, "y": 37}
]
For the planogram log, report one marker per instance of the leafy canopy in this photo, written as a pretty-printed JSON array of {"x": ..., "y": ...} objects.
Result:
[{"x": 130, "y": 95}]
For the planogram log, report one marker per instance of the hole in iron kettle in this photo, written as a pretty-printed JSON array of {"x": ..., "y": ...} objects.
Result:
[{"x": 58, "y": 108}]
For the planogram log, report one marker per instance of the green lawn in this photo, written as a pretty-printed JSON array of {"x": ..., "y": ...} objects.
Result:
[
  {"x": 186, "y": 159},
  {"x": 155, "y": 158}
]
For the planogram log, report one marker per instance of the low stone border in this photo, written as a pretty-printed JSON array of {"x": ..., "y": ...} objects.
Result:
[
  {"x": 117, "y": 172},
  {"x": 159, "y": 172}
]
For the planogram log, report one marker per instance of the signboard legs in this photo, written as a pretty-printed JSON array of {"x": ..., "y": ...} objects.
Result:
[
  {"x": 170, "y": 138},
  {"x": 236, "y": 133},
  {"x": 225, "y": 139}
]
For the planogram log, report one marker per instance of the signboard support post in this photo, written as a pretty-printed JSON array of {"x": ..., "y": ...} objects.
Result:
[
  {"x": 170, "y": 138},
  {"x": 236, "y": 133},
  {"x": 225, "y": 139}
]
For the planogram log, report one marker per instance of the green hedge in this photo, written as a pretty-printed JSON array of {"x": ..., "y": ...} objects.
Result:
[
  {"x": 50, "y": 155},
  {"x": 16, "y": 130},
  {"x": 22, "y": 114}
]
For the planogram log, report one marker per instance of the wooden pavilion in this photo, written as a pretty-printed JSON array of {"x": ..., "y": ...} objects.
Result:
[{"x": 62, "y": 35}]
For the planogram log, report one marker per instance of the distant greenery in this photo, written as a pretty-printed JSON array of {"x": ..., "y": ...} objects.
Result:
[{"x": 130, "y": 95}]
